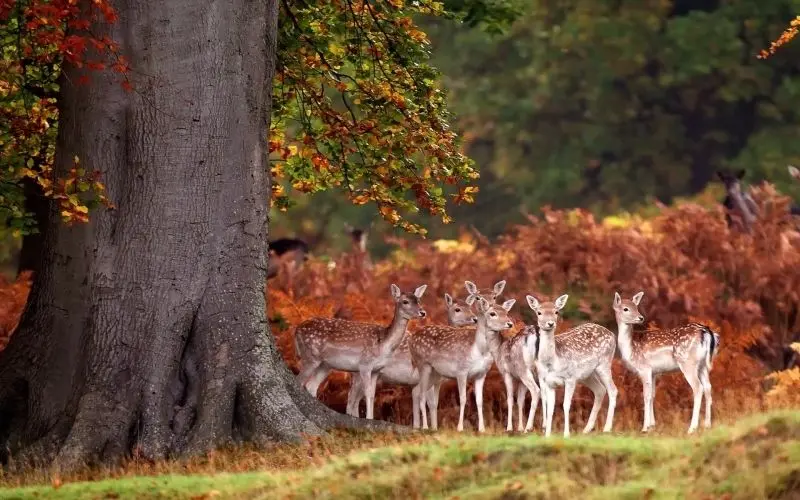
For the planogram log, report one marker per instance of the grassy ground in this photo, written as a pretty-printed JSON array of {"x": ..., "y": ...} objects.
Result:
[{"x": 759, "y": 457}]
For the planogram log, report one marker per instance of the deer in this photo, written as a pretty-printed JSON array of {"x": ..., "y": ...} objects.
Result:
[
  {"x": 515, "y": 359},
  {"x": 325, "y": 344},
  {"x": 289, "y": 251},
  {"x": 459, "y": 353},
  {"x": 581, "y": 354},
  {"x": 690, "y": 348},
  {"x": 399, "y": 370},
  {"x": 738, "y": 201}
]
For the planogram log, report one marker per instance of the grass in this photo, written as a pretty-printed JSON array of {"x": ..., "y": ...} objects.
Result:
[{"x": 758, "y": 457}]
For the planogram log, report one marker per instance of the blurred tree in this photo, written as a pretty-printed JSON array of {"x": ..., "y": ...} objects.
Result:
[{"x": 603, "y": 104}]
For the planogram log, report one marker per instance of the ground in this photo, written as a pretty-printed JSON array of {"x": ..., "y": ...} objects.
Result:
[{"x": 757, "y": 457}]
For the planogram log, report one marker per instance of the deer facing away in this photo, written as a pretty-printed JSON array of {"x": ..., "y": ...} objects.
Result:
[
  {"x": 689, "y": 348},
  {"x": 325, "y": 344},
  {"x": 459, "y": 353},
  {"x": 399, "y": 370},
  {"x": 581, "y": 354}
]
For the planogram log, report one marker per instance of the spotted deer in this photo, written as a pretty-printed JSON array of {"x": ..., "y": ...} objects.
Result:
[
  {"x": 581, "y": 354},
  {"x": 515, "y": 359},
  {"x": 690, "y": 348},
  {"x": 325, "y": 344},
  {"x": 400, "y": 371},
  {"x": 459, "y": 353},
  {"x": 489, "y": 294}
]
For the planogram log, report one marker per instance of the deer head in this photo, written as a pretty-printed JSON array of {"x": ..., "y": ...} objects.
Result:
[
  {"x": 794, "y": 172},
  {"x": 496, "y": 315},
  {"x": 547, "y": 313},
  {"x": 358, "y": 236},
  {"x": 407, "y": 304},
  {"x": 458, "y": 314},
  {"x": 627, "y": 310},
  {"x": 732, "y": 181},
  {"x": 488, "y": 294}
]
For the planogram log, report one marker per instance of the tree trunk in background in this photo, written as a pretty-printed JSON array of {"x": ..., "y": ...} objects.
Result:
[{"x": 146, "y": 329}]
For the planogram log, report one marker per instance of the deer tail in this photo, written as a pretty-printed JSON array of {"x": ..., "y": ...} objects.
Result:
[{"x": 712, "y": 339}]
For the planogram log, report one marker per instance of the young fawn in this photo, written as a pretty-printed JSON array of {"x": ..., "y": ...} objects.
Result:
[
  {"x": 325, "y": 344},
  {"x": 515, "y": 359},
  {"x": 400, "y": 371},
  {"x": 459, "y": 353},
  {"x": 581, "y": 354},
  {"x": 689, "y": 348}
]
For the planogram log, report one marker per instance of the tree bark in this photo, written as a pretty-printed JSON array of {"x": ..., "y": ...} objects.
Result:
[{"x": 146, "y": 329}]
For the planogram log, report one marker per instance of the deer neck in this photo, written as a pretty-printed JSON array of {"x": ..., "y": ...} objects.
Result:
[
  {"x": 482, "y": 334},
  {"x": 625, "y": 340},
  {"x": 547, "y": 345},
  {"x": 494, "y": 340},
  {"x": 396, "y": 330},
  {"x": 739, "y": 202}
]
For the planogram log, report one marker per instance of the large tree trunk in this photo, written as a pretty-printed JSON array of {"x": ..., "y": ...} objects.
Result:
[{"x": 146, "y": 329}]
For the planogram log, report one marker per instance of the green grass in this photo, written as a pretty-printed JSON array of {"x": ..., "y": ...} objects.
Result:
[{"x": 759, "y": 457}]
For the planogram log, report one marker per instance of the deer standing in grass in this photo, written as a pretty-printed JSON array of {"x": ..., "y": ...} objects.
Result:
[
  {"x": 689, "y": 348},
  {"x": 459, "y": 353},
  {"x": 581, "y": 354},
  {"x": 399, "y": 369},
  {"x": 325, "y": 344},
  {"x": 515, "y": 359}
]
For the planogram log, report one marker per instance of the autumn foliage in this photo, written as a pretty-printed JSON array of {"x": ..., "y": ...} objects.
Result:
[{"x": 689, "y": 264}]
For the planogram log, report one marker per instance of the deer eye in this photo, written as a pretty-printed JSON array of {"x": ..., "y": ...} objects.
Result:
[
  {"x": 493, "y": 314},
  {"x": 458, "y": 309},
  {"x": 626, "y": 309},
  {"x": 405, "y": 301},
  {"x": 556, "y": 313},
  {"x": 539, "y": 313}
]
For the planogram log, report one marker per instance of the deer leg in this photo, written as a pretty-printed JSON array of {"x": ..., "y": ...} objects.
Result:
[
  {"x": 689, "y": 371},
  {"x": 653, "y": 402},
  {"x": 424, "y": 376},
  {"x": 544, "y": 389},
  {"x": 646, "y": 376},
  {"x": 436, "y": 384},
  {"x": 304, "y": 377},
  {"x": 462, "y": 399},
  {"x": 317, "y": 378},
  {"x": 369, "y": 381},
  {"x": 530, "y": 384},
  {"x": 551, "y": 403},
  {"x": 479, "y": 401},
  {"x": 522, "y": 390},
  {"x": 416, "y": 407},
  {"x": 599, "y": 390},
  {"x": 509, "y": 382},
  {"x": 604, "y": 373},
  {"x": 569, "y": 390},
  {"x": 354, "y": 395},
  {"x": 706, "y": 384}
]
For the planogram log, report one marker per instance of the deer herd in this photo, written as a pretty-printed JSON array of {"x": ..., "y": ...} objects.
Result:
[{"x": 535, "y": 360}]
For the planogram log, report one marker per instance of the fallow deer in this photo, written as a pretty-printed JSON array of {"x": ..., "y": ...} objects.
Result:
[
  {"x": 515, "y": 359},
  {"x": 581, "y": 354},
  {"x": 286, "y": 252},
  {"x": 400, "y": 371},
  {"x": 738, "y": 201},
  {"x": 459, "y": 353},
  {"x": 325, "y": 344},
  {"x": 490, "y": 294},
  {"x": 689, "y": 348}
]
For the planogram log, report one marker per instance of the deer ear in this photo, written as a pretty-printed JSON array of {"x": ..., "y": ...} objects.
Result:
[
  {"x": 533, "y": 303},
  {"x": 617, "y": 299},
  {"x": 348, "y": 228},
  {"x": 483, "y": 305},
  {"x": 794, "y": 171},
  {"x": 720, "y": 175},
  {"x": 499, "y": 286},
  {"x": 471, "y": 288},
  {"x": 395, "y": 291},
  {"x": 419, "y": 291},
  {"x": 470, "y": 300},
  {"x": 507, "y": 305},
  {"x": 448, "y": 299},
  {"x": 740, "y": 173},
  {"x": 561, "y": 301},
  {"x": 638, "y": 298}
]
